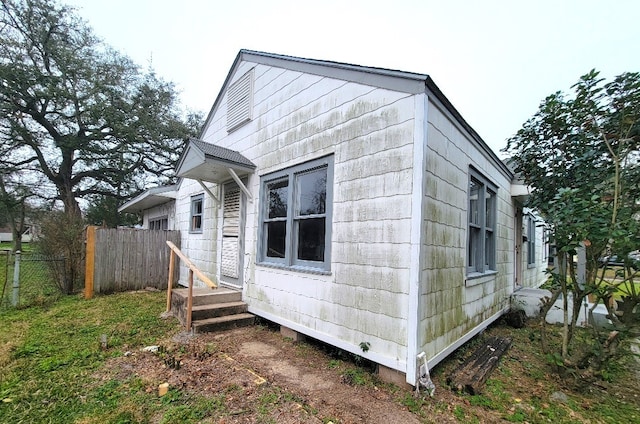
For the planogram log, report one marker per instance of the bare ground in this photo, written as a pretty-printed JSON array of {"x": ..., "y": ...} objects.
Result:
[{"x": 262, "y": 376}]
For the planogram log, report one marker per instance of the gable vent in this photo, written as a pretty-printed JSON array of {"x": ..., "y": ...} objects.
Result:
[{"x": 240, "y": 101}]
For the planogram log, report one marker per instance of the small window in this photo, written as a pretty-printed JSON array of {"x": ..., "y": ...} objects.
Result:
[
  {"x": 197, "y": 207},
  {"x": 531, "y": 240},
  {"x": 295, "y": 230},
  {"x": 481, "y": 248},
  {"x": 240, "y": 101},
  {"x": 161, "y": 223}
]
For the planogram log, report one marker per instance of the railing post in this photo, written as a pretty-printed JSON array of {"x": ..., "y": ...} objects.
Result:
[
  {"x": 190, "y": 300},
  {"x": 16, "y": 279},
  {"x": 172, "y": 260}
]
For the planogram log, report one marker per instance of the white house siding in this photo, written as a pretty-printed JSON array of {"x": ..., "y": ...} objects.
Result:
[
  {"x": 533, "y": 275},
  {"x": 201, "y": 248},
  {"x": 298, "y": 117},
  {"x": 450, "y": 308},
  {"x": 166, "y": 210}
]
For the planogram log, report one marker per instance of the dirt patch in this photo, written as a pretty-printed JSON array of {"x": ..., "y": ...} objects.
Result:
[
  {"x": 244, "y": 364},
  {"x": 260, "y": 376}
]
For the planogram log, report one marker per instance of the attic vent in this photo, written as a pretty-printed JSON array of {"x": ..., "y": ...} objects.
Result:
[{"x": 240, "y": 101}]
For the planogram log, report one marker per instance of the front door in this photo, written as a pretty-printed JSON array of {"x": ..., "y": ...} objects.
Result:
[{"x": 232, "y": 235}]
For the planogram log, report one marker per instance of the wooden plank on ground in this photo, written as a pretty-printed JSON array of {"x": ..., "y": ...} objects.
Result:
[{"x": 475, "y": 370}]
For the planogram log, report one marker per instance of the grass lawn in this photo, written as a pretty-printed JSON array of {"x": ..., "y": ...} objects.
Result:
[
  {"x": 48, "y": 354},
  {"x": 54, "y": 370}
]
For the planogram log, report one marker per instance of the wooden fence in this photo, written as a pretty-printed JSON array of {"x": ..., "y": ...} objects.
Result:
[{"x": 127, "y": 259}]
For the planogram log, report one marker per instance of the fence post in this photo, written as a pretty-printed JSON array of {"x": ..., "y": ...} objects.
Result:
[
  {"x": 16, "y": 279},
  {"x": 89, "y": 261}
]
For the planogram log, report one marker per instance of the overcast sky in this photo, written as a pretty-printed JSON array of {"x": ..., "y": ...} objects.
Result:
[{"x": 494, "y": 59}]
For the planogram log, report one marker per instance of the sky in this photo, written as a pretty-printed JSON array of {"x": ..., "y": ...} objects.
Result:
[{"x": 495, "y": 60}]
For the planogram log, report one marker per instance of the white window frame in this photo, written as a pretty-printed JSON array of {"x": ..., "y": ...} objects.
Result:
[
  {"x": 195, "y": 215},
  {"x": 481, "y": 249},
  {"x": 293, "y": 219}
]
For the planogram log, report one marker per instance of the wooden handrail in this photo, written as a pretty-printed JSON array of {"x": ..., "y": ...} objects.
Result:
[
  {"x": 191, "y": 266},
  {"x": 192, "y": 270}
]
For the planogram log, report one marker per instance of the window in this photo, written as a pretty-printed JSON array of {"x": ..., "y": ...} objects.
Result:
[
  {"x": 197, "y": 207},
  {"x": 481, "y": 249},
  {"x": 161, "y": 223},
  {"x": 240, "y": 101},
  {"x": 296, "y": 216},
  {"x": 531, "y": 241}
]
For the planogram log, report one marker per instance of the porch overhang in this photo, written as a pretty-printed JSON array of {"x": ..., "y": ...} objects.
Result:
[
  {"x": 150, "y": 198},
  {"x": 203, "y": 161},
  {"x": 520, "y": 192}
]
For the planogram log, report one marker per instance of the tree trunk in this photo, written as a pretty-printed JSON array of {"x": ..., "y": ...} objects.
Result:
[{"x": 17, "y": 238}]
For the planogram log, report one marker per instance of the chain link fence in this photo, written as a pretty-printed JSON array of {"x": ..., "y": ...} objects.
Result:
[{"x": 28, "y": 279}]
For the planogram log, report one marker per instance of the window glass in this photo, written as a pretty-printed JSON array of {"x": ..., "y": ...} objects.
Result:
[
  {"x": 276, "y": 239},
  {"x": 474, "y": 198},
  {"x": 312, "y": 192},
  {"x": 311, "y": 239},
  {"x": 481, "y": 256},
  {"x": 196, "y": 213},
  {"x": 489, "y": 209},
  {"x": 278, "y": 198},
  {"x": 295, "y": 221}
]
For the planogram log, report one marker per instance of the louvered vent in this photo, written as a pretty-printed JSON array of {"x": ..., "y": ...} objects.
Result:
[
  {"x": 240, "y": 101},
  {"x": 230, "y": 232}
]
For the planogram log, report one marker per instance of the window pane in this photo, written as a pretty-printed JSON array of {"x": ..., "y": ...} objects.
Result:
[
  {"x": 276, "y": 236},
  {"x": 474, "y": 201},
  {"x": 311, "y": 239},
  {"x": 312, "y": 192},
  {"x": 197, "y": 207},
  {"x": 489, "y": 212},
  {"x": 473, "y": 247},
  {"x": 489, "y": 250},
  {"x": 278, "y": 195}
]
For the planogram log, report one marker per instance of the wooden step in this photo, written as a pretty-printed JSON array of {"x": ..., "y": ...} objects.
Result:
[
  {"x": 204, "y": 301},
  {"x": 206, "y": 296},
  {"x": 222, "y": 323},
  {"x": 217, "y": 310}
]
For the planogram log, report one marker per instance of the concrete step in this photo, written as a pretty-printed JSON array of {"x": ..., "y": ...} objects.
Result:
[
  {"x": 201, "y": 312},
  {"x": 222, "y": 323}
]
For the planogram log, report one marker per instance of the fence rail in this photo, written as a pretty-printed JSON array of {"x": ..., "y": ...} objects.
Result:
[{"x": 128, "y": 259}]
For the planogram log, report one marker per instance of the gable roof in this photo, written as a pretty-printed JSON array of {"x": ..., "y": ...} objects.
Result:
[{"x": 408, "y": 82}]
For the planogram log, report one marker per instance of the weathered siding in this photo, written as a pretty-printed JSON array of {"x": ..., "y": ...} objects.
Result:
[
  {"x": 451, "y": 306},
  {"x": 165, "y": 210},
  {"x": 300, "y": 117},
  {"x": 201, "y": 248},
  {"x": 533, "y": 275}
]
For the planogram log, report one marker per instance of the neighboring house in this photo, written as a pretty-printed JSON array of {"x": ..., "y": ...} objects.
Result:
[
  {"x": 6, "y": 234},
  {"x": 353, "y": 205},
  {"x": 157, "y": 206}
]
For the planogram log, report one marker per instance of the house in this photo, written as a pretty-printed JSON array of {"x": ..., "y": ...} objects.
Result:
[
  {"x": 353, "y": 205},
  {"x": 6, "y": 234}
]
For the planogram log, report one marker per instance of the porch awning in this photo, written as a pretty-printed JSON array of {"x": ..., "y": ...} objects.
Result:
[
  {"x": 520, "y": 191},
  {"x": 150, "y": 198},
  {"x": 207, "y": 162}
]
